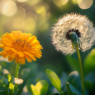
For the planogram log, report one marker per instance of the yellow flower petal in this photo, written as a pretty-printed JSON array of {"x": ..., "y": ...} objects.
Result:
[
  {"x": 14, "y": 34},
  {"x": 20, "y": 54},
  {"x": 28, "y": 58},
  {"x": 22, "y": 60},
  {"x": 20, "y": 46},
  {"x": 30, "y": 55},
  {"x": 17, "y": 59},
  {"x": 10, "y": 59},
  {"x": 32, "y": 38},
  {"x": 10, "y": 37},
  {"x": 19, "y": 34}
]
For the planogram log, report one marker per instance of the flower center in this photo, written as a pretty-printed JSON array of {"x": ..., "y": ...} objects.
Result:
[
  {"x": 72, "y": 30},
  {"x": 21, "y": 45},
  {"x": 73, "y": 35}
]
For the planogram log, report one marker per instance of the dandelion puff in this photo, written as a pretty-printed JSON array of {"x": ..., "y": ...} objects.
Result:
[{"x": 77, "y": 23}]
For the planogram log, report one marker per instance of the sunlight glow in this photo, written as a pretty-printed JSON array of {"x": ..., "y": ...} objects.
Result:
[
  {"x": 29, "y": 24},
  {"x": 74, "y": 1},
  {"x": 3, "y": 59},
  {"x": 18, "y": 81},
  {"x": 25, "y": 89},
  {"x": 85, "y": 4},
  {"x": 33, "y": 2},
  {"x": 8, "y": 8},
  {"x": 60, "y": 2},
  {"x": 5, "y": 71},
  {"x": 74, "y": 72},
  {"x": 40, "y": 10},
  {"x": 22, "y": 0}
]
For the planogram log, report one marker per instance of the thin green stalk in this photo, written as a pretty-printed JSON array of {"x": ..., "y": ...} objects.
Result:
[
  {"x": 16, "y": 74},
  {"x": 61, "y": 93},
  {"x": 81, "y": 70}
]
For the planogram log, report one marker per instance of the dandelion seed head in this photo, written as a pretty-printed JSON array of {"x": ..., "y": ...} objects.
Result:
[{"x": 77, "y": 23}]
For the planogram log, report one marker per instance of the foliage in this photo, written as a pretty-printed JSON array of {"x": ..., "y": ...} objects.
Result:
[
  {"x": 70, "y": 85},
  {"x": 37, "y": 17}
]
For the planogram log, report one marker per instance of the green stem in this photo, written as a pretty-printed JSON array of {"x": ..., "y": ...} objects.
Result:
[
  {"x": 16, "y": 74},
  {"x": 81, "y": 70},
  {"x": 61, "y": 93}
]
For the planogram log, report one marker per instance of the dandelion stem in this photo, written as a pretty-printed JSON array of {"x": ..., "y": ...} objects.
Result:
[
  {"x": 81, "y": 70},
  {"x": 16, "y": 74}
]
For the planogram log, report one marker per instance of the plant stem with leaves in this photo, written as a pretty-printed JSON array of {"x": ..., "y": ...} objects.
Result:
[
  {"x": 81, "y": 70},
  {"x": 16, "y": 74}
]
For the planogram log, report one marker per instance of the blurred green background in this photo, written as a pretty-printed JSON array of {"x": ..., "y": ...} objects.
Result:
[{"x": 37, "y": 17}]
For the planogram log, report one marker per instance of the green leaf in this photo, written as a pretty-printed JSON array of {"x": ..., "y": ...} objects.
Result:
[
  {"x": 9, "y": 77},
  {"x": 29, "y": 87},
  {"x": 74, "y": 79},
  {"x": 73, "y": 63},
  {"x": 89, "y": 81},
  {"x": 75, "y": 93},
  {"x": 34, "y": 90},
  {"x": 54, "y": 79},
  {"x": 42, "y": 87},
  {"x": 69, "y": 90},
  {"x": 11, "y": 86},
  {"x": 73, "y": 89},
  {"x": 0, "y": 69},
  {"x": 89, "y": 62}
]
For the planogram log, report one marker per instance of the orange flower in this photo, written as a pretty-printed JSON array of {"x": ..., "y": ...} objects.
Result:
[{"x": 20, "y": 46}]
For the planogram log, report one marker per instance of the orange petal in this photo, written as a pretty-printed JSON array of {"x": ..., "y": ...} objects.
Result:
[
  {"x": 10, "y": 37},
  {"x": 22, "y": 60},
  {"x": 36, "y": 51},
  {"x": 4, "y": 54},
  {"x": 1, "y": 52},
  {"x": 17, "y": 59},
  {"x": 20, "y": 54},
  {"x": 30, "y": 55},
  {"x": 23, "y": 36},
  {"x": 35, "y": 42},
  {"x": 28, "y": 36},
  {"x": 10, "y": 59},
  {"x": 28, "y": 58},
  {"x": 1, "y": 46},
  {"x": 32, "y": 38},
  {"x": 13, "y": 55},
  {"x": 14, "y": 34},
  {"x": 19, "y": 34},
  {"x": 7, "y": 43},
  {"x": 37, "y": 55}
]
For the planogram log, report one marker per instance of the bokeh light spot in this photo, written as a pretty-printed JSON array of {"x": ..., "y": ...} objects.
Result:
[
  {"x": 8, "y": 8},
  {"x": 29, "y": 24},
  {"x": 18, "y": 81},
  {"x": 5, "y": 71},
  {"x": 60, "y": 2},
  {"x": 3, "y": 59},
  {"x": 33, "y": 2},
  {"x": 40, "y": 9},
  {"x": 25, "y": 89},
  {"x": 22, "y": 0},
  {"x": 74, "y": 1},
  {"x": 85, "y": 4}
]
